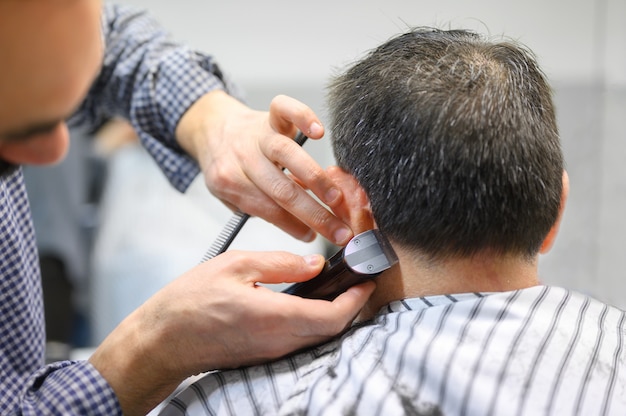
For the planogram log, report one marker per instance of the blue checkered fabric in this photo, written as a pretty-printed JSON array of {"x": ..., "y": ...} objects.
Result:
[{"x": 151, "y": 80}]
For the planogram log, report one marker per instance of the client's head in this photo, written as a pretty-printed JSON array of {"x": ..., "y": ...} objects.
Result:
[{"x": 454, "y": 140}]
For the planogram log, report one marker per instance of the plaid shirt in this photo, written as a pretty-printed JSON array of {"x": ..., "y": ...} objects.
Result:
[{"x": 150, "y": 80}]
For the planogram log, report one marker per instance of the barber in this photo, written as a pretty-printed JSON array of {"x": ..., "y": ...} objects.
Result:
[{"x": 80, "y": 61}]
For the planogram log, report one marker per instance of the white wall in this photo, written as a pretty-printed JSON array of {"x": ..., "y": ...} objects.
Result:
[
  {"x": 290, "y": 47},
  {"x": 280, "y": 46},
  {"x": 286, "y": 40}
]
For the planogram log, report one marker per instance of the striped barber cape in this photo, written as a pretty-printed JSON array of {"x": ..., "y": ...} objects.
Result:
[{"x": 537, "y": 351}]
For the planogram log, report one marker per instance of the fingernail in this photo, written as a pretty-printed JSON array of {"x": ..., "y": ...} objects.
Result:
[
  {"x": 310, "y": 236},
  {"x": 313, "y": 259},
  {"x": 315, "y": 129},
  {"x": 332, "y": 195},
  {"x": 342, "y": 236}
]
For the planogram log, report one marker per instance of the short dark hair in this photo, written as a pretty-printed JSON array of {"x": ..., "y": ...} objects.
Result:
[{"x": 454, "y": 139}]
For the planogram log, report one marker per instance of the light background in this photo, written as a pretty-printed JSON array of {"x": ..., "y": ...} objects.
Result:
[{"x": 291, "y": 47}]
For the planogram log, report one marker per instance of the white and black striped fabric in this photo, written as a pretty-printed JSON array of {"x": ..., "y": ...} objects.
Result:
[{"x": 537, "y": 351}]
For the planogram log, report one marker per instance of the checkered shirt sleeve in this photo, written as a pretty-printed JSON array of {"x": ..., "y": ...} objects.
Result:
[
  {"x": 151, "y": 80},
  {"x": 71, "y": 388},
  {"x": 26, "y": 387}
]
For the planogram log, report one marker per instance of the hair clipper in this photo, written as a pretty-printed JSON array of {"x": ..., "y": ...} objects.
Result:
[{"x": 366, "y": 256}]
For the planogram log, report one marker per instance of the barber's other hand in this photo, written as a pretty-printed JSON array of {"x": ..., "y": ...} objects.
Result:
[
  {"x": 241, "y": 152},
  {"x": 216, "y": 316}
]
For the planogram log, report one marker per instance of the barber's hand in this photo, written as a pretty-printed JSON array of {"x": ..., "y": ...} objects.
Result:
[
  {"x": 241, "y": 152},
  {"x": 216, "y": 316}
]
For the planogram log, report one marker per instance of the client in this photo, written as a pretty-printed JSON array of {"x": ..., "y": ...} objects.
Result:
[{"x": 447, "y": 142}]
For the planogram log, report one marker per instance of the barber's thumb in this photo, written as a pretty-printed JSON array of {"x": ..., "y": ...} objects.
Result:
[
  {"x": 313, "y": 266},
  {"x": 283, "y": 267},
  {"x": 308, "y": 267}
]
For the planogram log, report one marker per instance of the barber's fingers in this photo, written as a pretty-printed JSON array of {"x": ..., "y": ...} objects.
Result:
[
  {"x": 308, "y": 317},
  {"x": 271, "y": 267},
  {"x": 288, "y": 194},
  {"x": 323, "y": 319},
  {"x": 228, "y": 179},
  {"x": 285, "y": 112},
  {"x": 260, "y": 188},
  {"x": 283, "y": 267},
  {"x": 287, "y": 115},
  {"x": 247, "y": 323},
  {"x": 252, "y": 181}
]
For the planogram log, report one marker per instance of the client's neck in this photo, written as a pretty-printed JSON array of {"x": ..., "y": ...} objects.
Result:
[{"x": 414, "y": 277}]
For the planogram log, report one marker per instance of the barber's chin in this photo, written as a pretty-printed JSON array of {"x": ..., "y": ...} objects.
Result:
[
  {"x": 49, "y": 157},
  {"x": 46, "y": 151},
  {"x": 50, "y": 151}
]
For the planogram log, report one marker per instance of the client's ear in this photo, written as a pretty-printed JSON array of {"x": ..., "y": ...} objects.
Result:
[
  {"x": 354, "y": 209},
  {"x": 549, "y": 240}
]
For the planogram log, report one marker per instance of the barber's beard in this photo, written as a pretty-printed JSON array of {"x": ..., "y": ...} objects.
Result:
[{"x": 7, "y": 168}]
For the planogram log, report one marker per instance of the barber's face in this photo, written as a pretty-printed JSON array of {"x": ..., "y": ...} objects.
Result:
[{"x": 50, "y": 52}]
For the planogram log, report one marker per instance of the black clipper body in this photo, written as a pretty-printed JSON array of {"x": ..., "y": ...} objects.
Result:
[{"x": 365, "y": 257}]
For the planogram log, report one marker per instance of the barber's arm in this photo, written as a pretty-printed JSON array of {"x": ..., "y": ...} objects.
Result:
[
  {"x": 185, "y": 111},
  {"x": 241, "y": 152},
  {"x": 216, "y": 316}
]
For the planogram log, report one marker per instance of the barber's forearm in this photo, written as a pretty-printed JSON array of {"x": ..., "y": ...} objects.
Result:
[
  {"x": 130, "y": 360},
  {"x": 151, "y": 80},
  {"x": 147, "y": 75},
  {"x": 207, "y": 119}
]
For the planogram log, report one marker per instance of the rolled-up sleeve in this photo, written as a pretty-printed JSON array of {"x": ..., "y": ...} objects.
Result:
[
  {"x": 151, "y": 80},
  {"x": 69, "y": 388}
]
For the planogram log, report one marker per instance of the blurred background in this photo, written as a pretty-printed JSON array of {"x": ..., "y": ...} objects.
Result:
[
  {"x": 289, "y": 47},
  {"x": 293, "y": 47}
]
